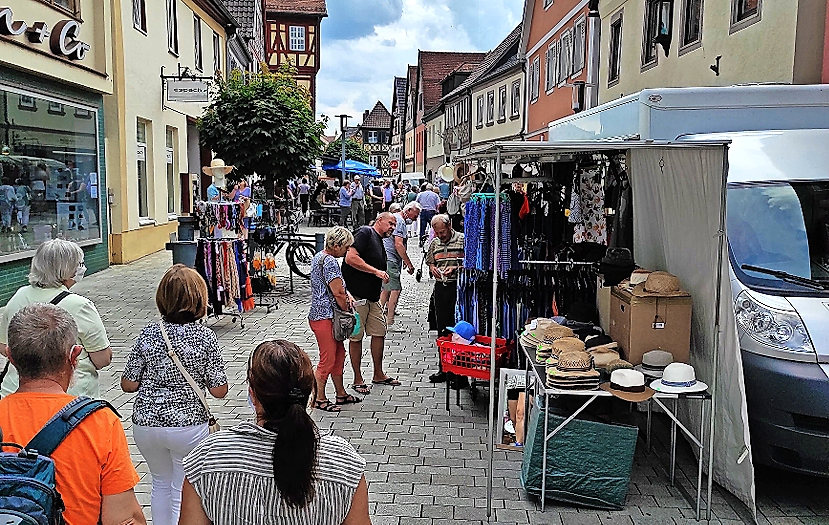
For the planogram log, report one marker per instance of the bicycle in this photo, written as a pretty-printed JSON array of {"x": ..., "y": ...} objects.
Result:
[{"x": 298, "y": 252}]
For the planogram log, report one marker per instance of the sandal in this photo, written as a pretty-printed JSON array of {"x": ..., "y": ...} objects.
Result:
[
  {"x": 348, "y": 399},
  {"x": 389, "y": 381},
  {"x": 362, "y": 388},
  {"x": 326, "y": 405}
]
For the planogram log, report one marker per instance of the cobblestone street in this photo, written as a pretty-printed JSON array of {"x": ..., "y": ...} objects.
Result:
[{"x": 424, "y": 466}]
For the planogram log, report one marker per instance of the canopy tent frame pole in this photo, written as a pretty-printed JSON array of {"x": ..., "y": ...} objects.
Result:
[
  {"x": 717, "y": 326},
  {"x": 493, "y": 331}
]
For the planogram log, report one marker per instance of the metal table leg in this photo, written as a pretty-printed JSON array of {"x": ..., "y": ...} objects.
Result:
[
  {"x": 701, "y": 455},
  {"x": 648, "y": 430},
  {"x": 673, "y": 444}
]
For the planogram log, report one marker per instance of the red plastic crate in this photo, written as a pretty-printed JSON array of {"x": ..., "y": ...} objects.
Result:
[{"x": 471, "y": 361}]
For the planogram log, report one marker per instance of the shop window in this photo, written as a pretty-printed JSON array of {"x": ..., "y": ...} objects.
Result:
[
  {"x": 579, "y": 35},
  {"x": 296, "y": 38},
  {"x": 139, "y": 15},
  {"x": 490, "y": 108},
  {"x": 479, "y": 117},
  {"x": 217, "y": 52},
  {"x": 48, "y": 175},
  {"x": 745, "y": 13},
  {"x": 615, "y": 58},
  {"x": 691, "y": 25},
  {"x": 141, "y": 165},
  {"x": 170, "y": 150},
  {"x": 502, "y": 103},
  {"x": 172, "y": 26},
  {"x": 516, "y": 99},
  {"x": 197, "y": 47}
]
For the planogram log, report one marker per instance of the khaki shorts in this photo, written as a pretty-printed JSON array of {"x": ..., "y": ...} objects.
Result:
[
  {"x": 372, "y": 320},
  {"x": 393, "y": 269}
]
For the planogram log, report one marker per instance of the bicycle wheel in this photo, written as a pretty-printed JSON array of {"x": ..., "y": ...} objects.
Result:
[{"x": 299, "y": 257}]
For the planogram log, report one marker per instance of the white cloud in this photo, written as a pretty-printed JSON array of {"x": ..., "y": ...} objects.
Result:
[{"x": 357, "y": 72}]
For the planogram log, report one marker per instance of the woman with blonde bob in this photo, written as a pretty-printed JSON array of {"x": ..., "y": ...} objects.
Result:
[
  {"x": 168, "y": 418},
  {"x": 328, "y": 288}
]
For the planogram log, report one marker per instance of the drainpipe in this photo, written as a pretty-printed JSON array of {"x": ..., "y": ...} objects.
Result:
[
  {"x": 594, "y": 30},
  {"x": 523, "y": 133}
]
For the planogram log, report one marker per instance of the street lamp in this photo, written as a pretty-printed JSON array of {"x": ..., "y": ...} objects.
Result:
[{"x": 343, "y": 124}]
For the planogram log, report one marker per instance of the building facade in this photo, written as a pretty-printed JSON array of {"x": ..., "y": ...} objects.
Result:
[
  {"x": 411, "y": 112},
  {"x": 292, "y": 36},
  {"x": 153, "y": 144},
  {"x": 497, "y": 94},
  {"x": 376, "y": 137},
  {"x": 435, "y": 155},
  {"x": 709, "y": 43},
  {"x": 436, "y": 71},
  {"x": 397, "y": 129},
  {"x": 55, "y": 69},
  {"x": 554, "y": 45},
  {"x": 246, "y": 48}
]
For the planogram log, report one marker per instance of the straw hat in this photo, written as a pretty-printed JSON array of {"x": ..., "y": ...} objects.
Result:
[
  {"x": 679, "y": 378},
  {"x": 557, "y": 331},
  {"x": 654, "y": 363},
  {"x": 217, "y": 167},
  {"x": 617, "y": 364},
  {"x": 628, "y": 385},
  {"x": 659, "y": 284},
  {"x": 602, "y": 356},
  {"x": 575, "y": 361},
  {"x": 460, "y": 172},
  {"x": 574, "y": 371},
  {"x": 567, "y": 344}
]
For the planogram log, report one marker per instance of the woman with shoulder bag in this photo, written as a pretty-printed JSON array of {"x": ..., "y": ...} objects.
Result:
[
  {"x": 328, "y": 291},
  {"x": 173, "y": 361}
]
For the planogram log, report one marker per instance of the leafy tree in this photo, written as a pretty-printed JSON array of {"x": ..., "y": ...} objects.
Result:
[
  {"x": 353, "y": 150},
  {"x": 262, "y": 123}
]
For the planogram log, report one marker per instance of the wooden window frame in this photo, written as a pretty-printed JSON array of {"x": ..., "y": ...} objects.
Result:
[
  {"x": 738, "y": 24},
  {"x": 139, "y": 15},
  {"x": 579, "y": 35},
  {"x": 614, "y": 56},
  {"x": 303, "y": 39},
  {"x": 172, "y": 27},
  {"x": 198, "y": 50},
  {"x": 515, "y": 110}
]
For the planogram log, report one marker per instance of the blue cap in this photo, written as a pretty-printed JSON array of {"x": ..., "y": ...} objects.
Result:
[{"x": 465, "y": 330}]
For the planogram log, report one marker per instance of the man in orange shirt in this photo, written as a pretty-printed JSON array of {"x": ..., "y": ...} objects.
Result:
[{"x": 94, "y": 472}]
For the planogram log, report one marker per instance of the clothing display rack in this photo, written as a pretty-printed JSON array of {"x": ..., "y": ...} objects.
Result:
[{"x": 222, "y": 216}]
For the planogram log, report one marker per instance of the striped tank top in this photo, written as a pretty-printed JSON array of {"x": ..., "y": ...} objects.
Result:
[{"x": 232, "y": 472}]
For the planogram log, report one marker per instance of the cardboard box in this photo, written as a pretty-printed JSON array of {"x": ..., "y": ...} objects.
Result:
[{"x": 642, "y": 324}]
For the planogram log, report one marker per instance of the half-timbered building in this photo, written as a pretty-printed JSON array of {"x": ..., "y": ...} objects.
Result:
[{"x": 292, "y": 35}]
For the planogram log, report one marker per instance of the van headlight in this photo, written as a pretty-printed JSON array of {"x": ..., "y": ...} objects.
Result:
[{"x": 775, "y": 327}]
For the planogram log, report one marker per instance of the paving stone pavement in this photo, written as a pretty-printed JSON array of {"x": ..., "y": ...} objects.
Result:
[{"x": 424, "y": 466}]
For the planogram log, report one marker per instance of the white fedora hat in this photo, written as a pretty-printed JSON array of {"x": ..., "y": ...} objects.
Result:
[
  {"x": 628, "y": 385},
  {"x": 679, "y": 378}
]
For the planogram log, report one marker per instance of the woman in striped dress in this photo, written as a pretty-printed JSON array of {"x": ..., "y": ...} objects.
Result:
[{"x": 310, "y": 479}]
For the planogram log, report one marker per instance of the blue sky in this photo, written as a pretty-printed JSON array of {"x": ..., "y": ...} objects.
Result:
[{"x": 366, "y": 43}]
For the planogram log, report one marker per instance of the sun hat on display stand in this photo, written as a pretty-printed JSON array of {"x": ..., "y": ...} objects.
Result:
[
  {"x": 217, "y": 169},
  {"x": 654, "y": 363},
  {"x": 446, "y": 173},
  {"x": 628, "y": 385},
  {"x": 679, "y": 378},
  {"x": 457, "y": 174}
]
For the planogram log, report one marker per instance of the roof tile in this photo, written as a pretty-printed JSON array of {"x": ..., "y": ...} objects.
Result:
[
  {"x": 436, "y": 65},
  {"x": 484, "y": 68},
  {"x": 378, "y": 118},
  {"x": 311, "y": 7}
]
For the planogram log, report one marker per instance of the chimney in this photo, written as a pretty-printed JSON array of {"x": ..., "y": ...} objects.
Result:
[{"x": 365, "y": 116}]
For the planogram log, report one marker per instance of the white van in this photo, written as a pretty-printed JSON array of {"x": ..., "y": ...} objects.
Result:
[{"x": 778, "y": 240}]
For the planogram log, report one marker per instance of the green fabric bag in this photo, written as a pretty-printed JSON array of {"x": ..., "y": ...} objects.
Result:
[{"x": 588, "y": 463}]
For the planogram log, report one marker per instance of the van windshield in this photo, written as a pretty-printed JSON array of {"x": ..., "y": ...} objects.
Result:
[{"x": 781, "y": 226}]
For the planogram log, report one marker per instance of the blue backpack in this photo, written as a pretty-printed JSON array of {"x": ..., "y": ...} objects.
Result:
[{"x": 27, "y": 478}]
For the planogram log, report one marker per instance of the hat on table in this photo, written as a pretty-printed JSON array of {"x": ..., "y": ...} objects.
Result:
[
  {"x": 543, "y": 352},
  {"x": 464, "y": 330},
  {"x": 628, "y": 385},
  {"x": 603, "y": 356},
  {"x": 617, "y": 364},
  {"x": 567, "y": 344},
  {"x": 654, "y": 362},
  {"x": 679, "y": 378},
  {"x": 556, "y": 331},
  {"x": 597, "y": 340},
  {"x": 574, "y": 371}
]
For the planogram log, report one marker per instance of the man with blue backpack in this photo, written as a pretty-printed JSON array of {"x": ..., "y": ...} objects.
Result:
[{"x": 65, "y": 459}]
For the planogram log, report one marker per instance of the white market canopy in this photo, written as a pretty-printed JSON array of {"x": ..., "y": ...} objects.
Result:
[{"x": 679, "y": 199}]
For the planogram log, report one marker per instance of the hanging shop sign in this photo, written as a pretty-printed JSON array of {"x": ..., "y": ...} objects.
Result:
[
  {"x": 63, "y": 38},
  {"x": 187, "y": 90}
]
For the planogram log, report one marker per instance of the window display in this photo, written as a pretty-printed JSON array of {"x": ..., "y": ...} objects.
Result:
[{"x": 49, "y": 167}]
